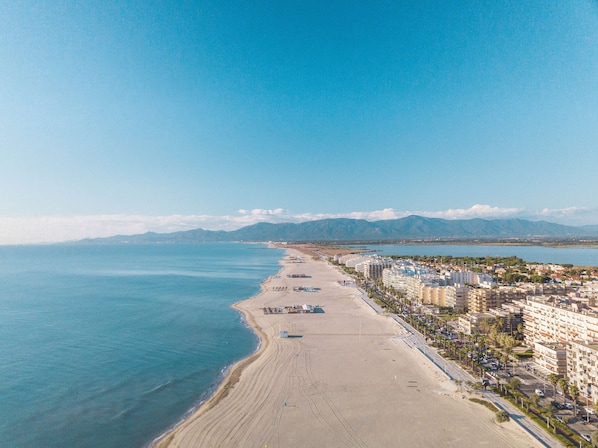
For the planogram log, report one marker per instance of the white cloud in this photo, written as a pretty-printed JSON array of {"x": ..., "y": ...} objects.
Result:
[
  {"x": 568, "y": 211},
  {"x": 571, "y": 215},
  {"x": 67, "y": 228},
  {"x": 475, "y": 211}
]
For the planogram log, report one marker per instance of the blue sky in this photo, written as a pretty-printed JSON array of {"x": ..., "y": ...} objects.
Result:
[{"x": 120, "y": 117}]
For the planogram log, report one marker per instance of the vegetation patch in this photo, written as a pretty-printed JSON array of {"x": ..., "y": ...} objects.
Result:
[
  {"x": 485, "y": 403},
  {"x": 502, "y": 416}
]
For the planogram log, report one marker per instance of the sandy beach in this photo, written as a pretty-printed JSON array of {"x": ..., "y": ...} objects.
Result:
[{"x": 343, "y": 378}]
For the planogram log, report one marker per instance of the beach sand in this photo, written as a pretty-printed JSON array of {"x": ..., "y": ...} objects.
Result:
[{"x": 343, "y": 378}]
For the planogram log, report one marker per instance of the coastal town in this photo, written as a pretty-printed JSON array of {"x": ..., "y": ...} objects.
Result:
[{"x": 528, "y": 331}]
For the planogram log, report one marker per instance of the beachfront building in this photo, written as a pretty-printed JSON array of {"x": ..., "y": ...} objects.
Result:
[
  {"x": 419, "y": 288},
  {"x": 480, "y": 300},
  {"x": 551, "y": 357},
  {"x": 582, "y": 367},
  {"x": 374, "y": 267},
  {"x": 434, "y": 294},
  {"x": 352, "y": 260},
  {"x": 558, "y": 319},
  {"x": 456, "y": 296},
  {"x": 423, "y": 284},
  {"x": 396, "y": 275}
]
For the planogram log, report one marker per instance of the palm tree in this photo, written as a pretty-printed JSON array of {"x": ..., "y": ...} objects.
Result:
[
  {"x": 535, "y": 400},
  {"x": 547, "y": 411},
  {"x": 515, "y": 384},
  {"x": 574, "y": 391},
  {"x": 508, "y": 351},
  {"x": 505, "y": 359},
  {"x": 564, "y": 386},
  {"x": 553, "y": 378}
]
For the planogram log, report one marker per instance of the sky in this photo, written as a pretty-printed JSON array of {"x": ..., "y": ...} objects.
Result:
[{"x": 121, "y": 117}]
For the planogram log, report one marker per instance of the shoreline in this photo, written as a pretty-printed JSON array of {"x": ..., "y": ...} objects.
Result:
[
  {"x": 342, "y": 373},
  {"x": 232, "y": 376}
]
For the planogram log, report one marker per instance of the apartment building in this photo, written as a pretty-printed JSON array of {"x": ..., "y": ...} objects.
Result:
[
  {"x": 480, "y": 300},
  {"x": 456, "y": 296},
  {"x": 582, "y": 367},
  {"x": 551, "y": 357},
  {"x": 374, "y": 267},
  {"x": 558, "y": 319}
]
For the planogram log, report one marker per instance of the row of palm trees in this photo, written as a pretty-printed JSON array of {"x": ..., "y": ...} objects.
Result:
[{"x": 566, "y": 388}]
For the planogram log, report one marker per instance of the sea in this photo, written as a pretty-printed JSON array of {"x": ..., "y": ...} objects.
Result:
[{"x": 111, "y": 345}]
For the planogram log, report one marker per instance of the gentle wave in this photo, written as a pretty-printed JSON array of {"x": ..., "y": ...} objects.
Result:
[{"x": 107, "y": 350}]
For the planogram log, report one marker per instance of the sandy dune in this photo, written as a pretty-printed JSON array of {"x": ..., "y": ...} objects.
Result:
[{"x": 343, "y": 379}]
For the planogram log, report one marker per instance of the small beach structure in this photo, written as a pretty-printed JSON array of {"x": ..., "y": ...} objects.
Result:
[
  {"x": 284, "y": 334},
  {"x": 273, "y": 310},
  {"x": 300, "y": 309},
  {"x": 305, "y": 289}
]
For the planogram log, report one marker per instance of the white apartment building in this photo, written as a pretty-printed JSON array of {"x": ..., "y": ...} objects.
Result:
[
  {"x": 373, "y": 267},
  {"x": 582, "y": 368},
  {"x": 551, "y": 357},
  {"x": 353, "y": 261},
  {"x": 557, "y": 319}
]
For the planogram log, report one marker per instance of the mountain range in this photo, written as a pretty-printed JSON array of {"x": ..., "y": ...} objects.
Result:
[{"x": 409, "y": 228}]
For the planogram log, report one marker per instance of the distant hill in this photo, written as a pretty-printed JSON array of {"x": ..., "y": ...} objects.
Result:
[{"x": 346, "y": 230}]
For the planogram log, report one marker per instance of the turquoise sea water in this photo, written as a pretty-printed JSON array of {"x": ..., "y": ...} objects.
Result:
[
  {"x": 578, "y": 256},
  {"x": 108, "y": 346}
]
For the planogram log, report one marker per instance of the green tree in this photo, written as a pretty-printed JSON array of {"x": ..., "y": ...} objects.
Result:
[
  {"x": 564, "y": 386},
  {"x": 574, "y": 391},
  {"x": 553, "y": 378},
  {"x": 515, "y": 384},
  {"x": 505, "y": 360},
  {"x": 535, "y": 400},
  {"x": 547, "y": 411}
]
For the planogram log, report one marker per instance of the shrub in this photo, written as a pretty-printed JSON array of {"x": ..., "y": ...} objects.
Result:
[{"x": 502, "y": 416}]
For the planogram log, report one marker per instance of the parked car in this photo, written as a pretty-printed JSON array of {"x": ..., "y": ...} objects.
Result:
[
  {"x": 590, "y": 411},
  {"x": 539, "y": 393},
  {"x": 587, "y": 437}
]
